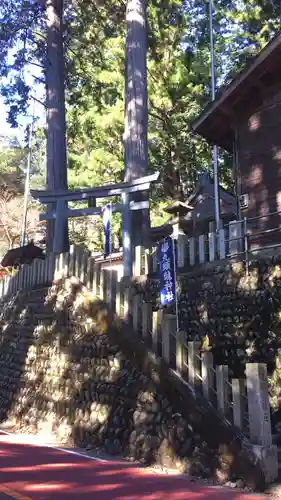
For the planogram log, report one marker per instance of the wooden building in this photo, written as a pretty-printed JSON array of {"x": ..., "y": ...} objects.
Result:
[
  {"x": 194, "y": 215},
  {"x": 245, "y": 119}
]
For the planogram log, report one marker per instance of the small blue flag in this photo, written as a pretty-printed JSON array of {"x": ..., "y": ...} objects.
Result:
[
  {"x": 167, "y": 271},
  {"x": 106, "y": 217}
]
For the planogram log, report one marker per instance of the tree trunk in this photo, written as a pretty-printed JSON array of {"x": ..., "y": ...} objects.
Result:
[
  {"x": 56, "y": 121},
  {"x": 136, "y": 113}
]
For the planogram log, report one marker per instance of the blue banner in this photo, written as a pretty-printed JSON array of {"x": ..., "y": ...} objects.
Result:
[
  {"x": 106, "y": 217},
  {"x": 167, "y": 272}
]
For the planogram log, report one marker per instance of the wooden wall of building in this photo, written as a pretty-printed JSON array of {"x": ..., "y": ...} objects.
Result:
[{"x": 259, "y": 172}]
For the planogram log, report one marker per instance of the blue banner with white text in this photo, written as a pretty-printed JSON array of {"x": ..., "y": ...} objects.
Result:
[
  {"x": 106, "y": 217},
  {"x": 167, "y": 271}
]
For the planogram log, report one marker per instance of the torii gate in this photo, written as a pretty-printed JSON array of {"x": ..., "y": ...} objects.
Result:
[{"x": 60, "y": 200}]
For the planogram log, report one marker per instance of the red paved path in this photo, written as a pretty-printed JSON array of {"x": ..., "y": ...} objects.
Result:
[{"x": 30, "y": 472}]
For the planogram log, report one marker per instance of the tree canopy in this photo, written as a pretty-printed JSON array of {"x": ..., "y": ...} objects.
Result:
[{"x": 178, "y": 73}]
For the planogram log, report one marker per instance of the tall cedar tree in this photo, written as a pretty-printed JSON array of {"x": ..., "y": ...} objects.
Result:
[
  {"x": 136, "y": 112},
  {"x": 31, "y": 33}
]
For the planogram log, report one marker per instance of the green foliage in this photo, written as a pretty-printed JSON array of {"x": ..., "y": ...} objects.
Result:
[
  {"x": 178, "y": 85},
  {"x": 12, "y": 160},
  {"x": 20, "y": 21}
]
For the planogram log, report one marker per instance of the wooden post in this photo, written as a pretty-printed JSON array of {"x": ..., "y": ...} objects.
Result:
[
  {"x": 235, "y": 237},
  {"x": 97, "y": 279},
  {"x": 222, "y": 388},
  {"x": 259, "y": 419},
  {"x": 46, "y": 269},
  {"x": 33, "y": 276},
  {"x": 202, "y": 244},
  {"x": 51, "y": 269},
  {"x": 11, "y": 287},
  {"x": 84, "y": 262},
  {"x": 154, "y": 259},
  {"x": 146, "y": 319},
  {"x": 39, "y": 273},
  {"x": 127, "y": 244},
  {"x": 111, "y": 280},
  {"x": 72, "y": 261},
  {"x": 90, "y": 273},
  {"x": 103, "y": 280},
  {"x": 137, "y": 312},
  {"x": 222, "y": 250},
  {"x": 43, "y": 272},
  {"x": 21, "y": 278},
  {"x": 208, "y": 375},
  {"x": 16, "y": 282},
  {"x": 128, "y": 304},
  {"x": 66, "y": 264},
  {"x": 25, "y": 277},
  {"x": 118, "y": 299},
  {"x": 34, "y": 273},
  {"x": 138, "y": 261},
  {"x": 23, "y": 268},
  {"x": 165, "y": 339},
  {"x": 57, "y": 267},
  {"x": 147, "y": 261},
  {"x": 239, "y": 402},
  {"x": 194, "y": 363},
  {"x": 26, "y": 283},
  {"x": 156, "y": 323},
  {"x": 2, "y": 285},
  {"x": 59, "y": 226},
  {"x": 28, "y": 277},
  {"x": 258, "y": 404},
  {"x": 192, "y": 251},
  {"x": 180, "y": 343},
  {"x": 77, "y": 260},
  {"x": 182, "y": 246},
  {"x": 212, "y": 242}
]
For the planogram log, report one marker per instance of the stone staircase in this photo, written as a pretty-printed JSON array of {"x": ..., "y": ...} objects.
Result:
[{"x": 21, "y": 321}]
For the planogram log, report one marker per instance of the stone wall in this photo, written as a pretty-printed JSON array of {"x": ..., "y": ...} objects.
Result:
[
  {"x": 67, "y": 370},
  {"x": 240, "y": 315}
]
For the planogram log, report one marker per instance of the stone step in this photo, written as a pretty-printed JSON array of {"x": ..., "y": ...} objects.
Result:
[
  {"x": 17, "y": 325},
  {"x": 40, "y": 309}
]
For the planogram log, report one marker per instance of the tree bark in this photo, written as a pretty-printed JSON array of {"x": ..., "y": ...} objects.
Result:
[
  {"x": 56, "y": 121},
  {"x": 136, "y": 112}
]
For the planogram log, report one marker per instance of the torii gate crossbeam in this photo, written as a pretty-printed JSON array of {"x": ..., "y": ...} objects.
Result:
[{"x": 124, "y": 189}]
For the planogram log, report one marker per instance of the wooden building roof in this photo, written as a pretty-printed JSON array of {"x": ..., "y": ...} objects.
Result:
[
  {"x": 242, "y": 97},
  {"x": 201, "y": 202}
]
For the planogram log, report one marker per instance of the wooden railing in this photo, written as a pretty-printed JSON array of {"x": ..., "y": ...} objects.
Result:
[
  {"x": 243, "y": 402},
  {"x": 191, "y": 251}
]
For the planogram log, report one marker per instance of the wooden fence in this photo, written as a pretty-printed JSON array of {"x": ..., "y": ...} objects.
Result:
[
  {"x": 191, "y": 251},
  {"x": 244, "y": 402}
]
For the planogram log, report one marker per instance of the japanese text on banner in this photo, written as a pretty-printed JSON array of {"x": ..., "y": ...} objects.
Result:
[{"x": 167, "y": 272}]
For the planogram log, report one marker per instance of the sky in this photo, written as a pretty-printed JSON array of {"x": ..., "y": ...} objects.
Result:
[
  {"x": 5, "y": 128},
  {"x": 37, "y": 90}
]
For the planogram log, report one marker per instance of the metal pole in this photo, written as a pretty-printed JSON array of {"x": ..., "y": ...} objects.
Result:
[
  {"x": 175, "y": 278},
  {"x": 246, "y": 246},
  {"x": 26, "y": 186},
  {"x": 215, "y": 149},
  {"x": 27, "y": 178},
  {"x": 127, "y": 243},
  {"x": 110, "y": 257}
]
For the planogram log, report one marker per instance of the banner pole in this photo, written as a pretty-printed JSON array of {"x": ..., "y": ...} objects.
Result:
[
  {"x": 110, "y": 256},
  {"x": 175, "y": 278}
]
